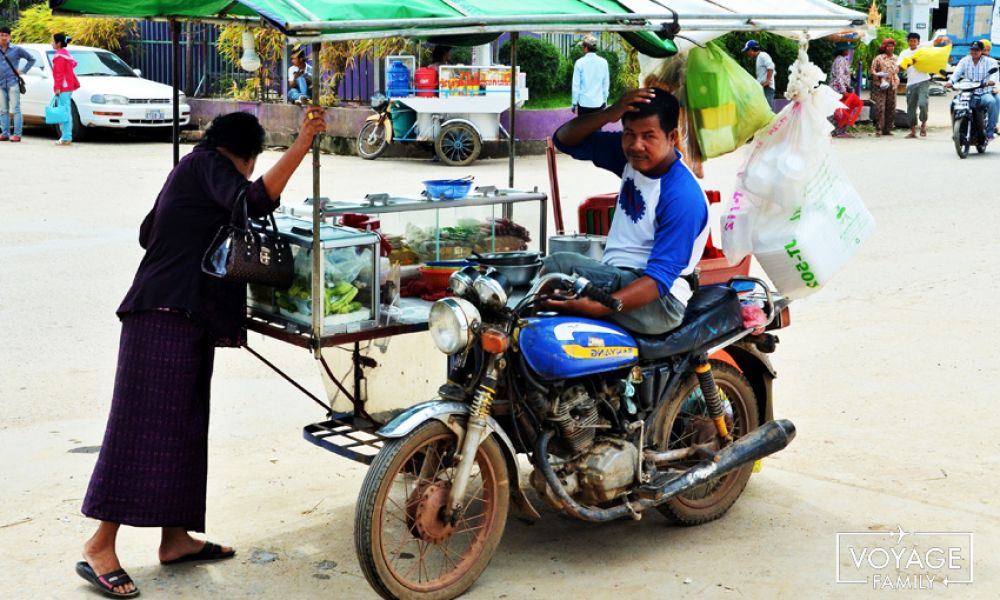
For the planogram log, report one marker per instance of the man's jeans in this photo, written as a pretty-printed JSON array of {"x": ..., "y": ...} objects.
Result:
[
  {"x": 659, "y": 316},
  {"x": 10, "y": 101},
  {"x": 992, "y": 107},
  {"x": 769, "y": 96},
  {"x": 300, "y": 89}
]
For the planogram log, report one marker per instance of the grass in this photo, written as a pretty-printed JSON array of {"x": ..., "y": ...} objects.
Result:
[{"x": 554, "y": 101}]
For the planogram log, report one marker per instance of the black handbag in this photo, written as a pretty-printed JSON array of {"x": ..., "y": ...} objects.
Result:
[
  {"x": 20, "y": 81},
  {"x": 248, "y": 251}
]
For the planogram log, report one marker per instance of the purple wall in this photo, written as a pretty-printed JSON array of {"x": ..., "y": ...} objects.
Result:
[{"x": 541, "y": 124}]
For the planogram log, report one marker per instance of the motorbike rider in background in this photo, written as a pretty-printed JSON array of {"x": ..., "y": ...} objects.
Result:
[
  {"x": 976, "y": 67},
  {"x": 660, "y": 224}
]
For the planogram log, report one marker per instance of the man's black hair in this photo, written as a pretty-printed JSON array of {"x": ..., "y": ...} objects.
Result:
[
  {"x": 5, "y": 29},
  {"x": 913, "y": 35},
  {"x": 439, "y": 53},
  {"x": 662, "y": 104},
  {"x": 237, "y": 132}
]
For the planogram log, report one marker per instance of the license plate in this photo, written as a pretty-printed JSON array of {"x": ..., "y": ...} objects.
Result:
[{"x": 154, "y": 115}]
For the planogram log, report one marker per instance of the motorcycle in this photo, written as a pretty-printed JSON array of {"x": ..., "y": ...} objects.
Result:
[
  {"x": 968, "y": 123},
  {"x": 614, "y": 424}
]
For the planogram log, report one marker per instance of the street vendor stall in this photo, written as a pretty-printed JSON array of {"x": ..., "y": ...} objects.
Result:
[{"x": 344, "y": 294}]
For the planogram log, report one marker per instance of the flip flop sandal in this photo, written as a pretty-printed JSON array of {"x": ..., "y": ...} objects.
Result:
[
  {"x": 209, "y": 551},
  {"x": 107, "y": 583}
]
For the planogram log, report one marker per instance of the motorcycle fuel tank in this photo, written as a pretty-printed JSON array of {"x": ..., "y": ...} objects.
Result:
[{"x": 567, "y": 347}]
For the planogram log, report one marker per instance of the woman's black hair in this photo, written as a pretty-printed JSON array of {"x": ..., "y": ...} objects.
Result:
[
  {"x": 663, "y": 105},
  {"x": 439, "y": 53},
  {"x": 62, "y": 39},
  {"x": 237, "y": 132}
]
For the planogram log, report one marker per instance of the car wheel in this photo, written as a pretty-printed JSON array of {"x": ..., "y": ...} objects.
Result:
[{"x": 79, "y": 131}]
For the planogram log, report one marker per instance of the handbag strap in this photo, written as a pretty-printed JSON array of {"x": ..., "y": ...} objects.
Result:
[
  {"x": 242, "y": 221},
  {"x": 12, "y": 69}
]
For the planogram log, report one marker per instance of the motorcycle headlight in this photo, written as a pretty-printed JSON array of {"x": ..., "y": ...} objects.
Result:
[
  {"x": 492, "y": 289},
  {"x": 461, "y": 281},
  {"x": 108, "y": 99},
  {"x": 378, "y": 100},
  {"x": 451, "y": 323}
]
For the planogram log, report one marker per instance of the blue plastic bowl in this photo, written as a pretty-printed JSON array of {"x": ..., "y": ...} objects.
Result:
[{"x": 447, "y": 189}]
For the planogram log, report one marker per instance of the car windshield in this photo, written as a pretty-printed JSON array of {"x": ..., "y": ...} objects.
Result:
[{"x": 98, "y": 64}]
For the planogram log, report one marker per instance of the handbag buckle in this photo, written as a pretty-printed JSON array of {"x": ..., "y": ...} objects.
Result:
[{"x": 265, "y": 256}]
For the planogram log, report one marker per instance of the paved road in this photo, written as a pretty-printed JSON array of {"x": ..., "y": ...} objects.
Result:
[{"x": 889, "y": 374}]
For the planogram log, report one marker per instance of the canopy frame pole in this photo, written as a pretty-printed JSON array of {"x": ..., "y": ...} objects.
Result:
[
  {"x": 175, "y": 56},
  {"x": 508, "y": 208},
  {"x": 318, "y": 293}
]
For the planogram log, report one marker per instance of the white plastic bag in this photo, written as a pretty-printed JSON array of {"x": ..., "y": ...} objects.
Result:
[{"x": 793, "y": 207}]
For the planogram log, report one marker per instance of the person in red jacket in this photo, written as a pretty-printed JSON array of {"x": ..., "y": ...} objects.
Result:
[{"x": 64, "y": 83}]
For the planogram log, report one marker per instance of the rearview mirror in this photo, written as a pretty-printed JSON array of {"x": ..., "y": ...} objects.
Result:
[{"x": 138, "y": 72}]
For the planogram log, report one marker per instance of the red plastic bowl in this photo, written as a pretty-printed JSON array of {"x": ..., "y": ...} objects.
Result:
[{"x": 436, "y": 278}]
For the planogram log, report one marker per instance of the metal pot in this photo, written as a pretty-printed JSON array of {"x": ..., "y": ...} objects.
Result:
[
  {"x": 519, "y": 275},
  {"x": 497, "y": 259},
  {"x": 585, "y": 244}
]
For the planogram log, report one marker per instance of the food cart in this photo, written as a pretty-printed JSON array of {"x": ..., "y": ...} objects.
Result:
[
  {"x": 455, "y": 107},
  {"x": 324, "y": 321}
]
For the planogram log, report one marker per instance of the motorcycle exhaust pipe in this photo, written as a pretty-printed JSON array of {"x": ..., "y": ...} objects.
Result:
[{"x": 763, "y": 441}]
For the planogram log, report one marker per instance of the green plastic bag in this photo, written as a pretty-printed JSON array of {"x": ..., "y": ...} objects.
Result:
[{"x": 724, "y": 102}]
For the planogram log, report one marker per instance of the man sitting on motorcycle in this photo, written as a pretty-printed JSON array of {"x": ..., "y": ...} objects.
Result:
[
  {"x": 976, "y": 67},
  {"x": 660, "y": 224}
]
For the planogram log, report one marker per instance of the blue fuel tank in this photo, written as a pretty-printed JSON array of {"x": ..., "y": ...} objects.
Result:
[{"x": 568, "y": 347}]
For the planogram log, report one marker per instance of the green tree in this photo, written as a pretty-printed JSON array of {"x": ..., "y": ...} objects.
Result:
[{"x": 540, "y": 61}]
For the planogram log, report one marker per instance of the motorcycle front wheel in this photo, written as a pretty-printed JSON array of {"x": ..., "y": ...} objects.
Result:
[
  {"x": 406, "y": 548},
  {"x": 371, "y": 140},
  {"x": 685, "y": 421},
  {"x": 960, "y": 139}
]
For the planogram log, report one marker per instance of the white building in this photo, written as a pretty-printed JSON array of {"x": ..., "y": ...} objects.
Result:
[{"x": 910, "y": 15}]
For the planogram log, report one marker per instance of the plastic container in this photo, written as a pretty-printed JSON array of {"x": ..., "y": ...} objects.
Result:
[
  {"x": 447, "y": 189},
  {"x": 426, "y": 81},
  {"x": 403, "y": 118},
  {"x": 399, "y": 80}
]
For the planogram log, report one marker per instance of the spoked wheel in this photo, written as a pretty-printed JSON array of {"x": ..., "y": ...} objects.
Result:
[
  {"x": 961, "y": 140},
  {"x": 406, "y": 547},
  {"x": 685, "y": 421},
  {"x": 371, "y": 140},
  {"x": 458, "y": 144}
]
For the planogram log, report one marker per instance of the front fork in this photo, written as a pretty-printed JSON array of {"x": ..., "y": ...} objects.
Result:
[{"x": 475, "y": 432}]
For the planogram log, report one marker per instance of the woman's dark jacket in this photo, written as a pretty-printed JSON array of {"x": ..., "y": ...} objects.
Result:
[{"x": 196, "y": 200}]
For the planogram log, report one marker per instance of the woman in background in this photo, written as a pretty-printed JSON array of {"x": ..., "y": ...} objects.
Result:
[
  {"x": 64, "y": 83},
  {"x": 884, "y": 80}
]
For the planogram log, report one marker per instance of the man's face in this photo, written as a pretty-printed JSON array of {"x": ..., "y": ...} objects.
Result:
[
  {"x": 753, "y": 52},
  {"x": 975, "y": 53},
  {"x": 645, "y": 144},
  {"x": 913, "y": 43},
  {"x": 4, "y": 39}
]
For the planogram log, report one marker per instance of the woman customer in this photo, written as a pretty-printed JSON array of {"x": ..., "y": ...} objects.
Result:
[
  {"x": 840, "y": 81},
  {"x": 884, "y": 80},
  {"x": 64, "y": 83},
  {"x": 152, "y": 468}
]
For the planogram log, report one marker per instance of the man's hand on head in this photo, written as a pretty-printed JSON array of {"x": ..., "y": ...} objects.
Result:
[{"x": 628, "y": 102}]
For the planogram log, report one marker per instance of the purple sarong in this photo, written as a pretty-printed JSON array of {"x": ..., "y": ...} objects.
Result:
[{"x": 153, "y": 464}]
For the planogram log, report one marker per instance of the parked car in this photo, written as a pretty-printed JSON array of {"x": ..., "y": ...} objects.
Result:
[{"x": 111, "y": 93}]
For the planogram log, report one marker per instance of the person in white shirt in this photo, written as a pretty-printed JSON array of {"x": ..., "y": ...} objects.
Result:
[
  {"x": 918, "y": 85},
  {"x": 764, "y": 69},
  {"x": 299, "y": 75},
  {"x": 591, "y": 80}
]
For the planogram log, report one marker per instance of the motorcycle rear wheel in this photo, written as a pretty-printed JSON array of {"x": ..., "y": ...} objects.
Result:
[
  {"x": 710, "y": 501},
  {"x": 405, "y": 549},
  {"x": 961, "y": 142}
]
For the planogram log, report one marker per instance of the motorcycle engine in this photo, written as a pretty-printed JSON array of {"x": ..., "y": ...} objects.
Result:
[
  {"x": 574, "y": 413},
  {"x": 607, "y": 470}
]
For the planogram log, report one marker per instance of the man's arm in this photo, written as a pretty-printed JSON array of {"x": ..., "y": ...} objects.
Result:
[
  {"x": 575, "y": 131},
  {"x": 605, "y": 82},
  {"x": 27, "y": 57},
  {"x": 959, "y": 72},
  {"x": 576, "y": 84}
]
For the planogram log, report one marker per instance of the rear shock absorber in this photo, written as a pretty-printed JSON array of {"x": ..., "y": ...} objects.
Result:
[{"x": 711, "y": 393}]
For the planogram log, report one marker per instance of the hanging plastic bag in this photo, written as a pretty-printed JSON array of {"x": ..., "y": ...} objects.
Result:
[
  {"x": 725, "y": 104},
  {"x": 794, "y": 207},
  {"x": 669, "y": 76}
]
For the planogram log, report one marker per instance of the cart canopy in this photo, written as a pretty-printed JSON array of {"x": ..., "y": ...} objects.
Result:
[{"x": 648, "y": 25}]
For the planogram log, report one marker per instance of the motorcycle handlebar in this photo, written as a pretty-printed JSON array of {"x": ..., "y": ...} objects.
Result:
[{"x": 586, "y": 288}]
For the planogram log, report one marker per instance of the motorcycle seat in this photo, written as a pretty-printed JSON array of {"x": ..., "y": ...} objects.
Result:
[{"x": 712, "y": 313}]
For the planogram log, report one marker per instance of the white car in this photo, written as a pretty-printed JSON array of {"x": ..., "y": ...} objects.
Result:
[{"x": 111, "y": 93}]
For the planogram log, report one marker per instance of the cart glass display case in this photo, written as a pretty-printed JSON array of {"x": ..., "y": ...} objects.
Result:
[{"x": 349, "y": 271}]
